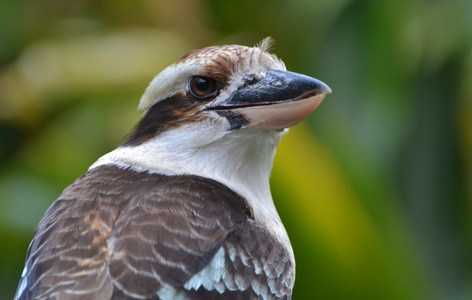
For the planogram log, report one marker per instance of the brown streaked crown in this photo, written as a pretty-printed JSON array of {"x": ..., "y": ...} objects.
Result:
[{"x": 223, "y": 63}]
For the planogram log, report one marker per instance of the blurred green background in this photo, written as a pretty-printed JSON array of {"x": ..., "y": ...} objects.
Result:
[{"x": 375, "y": 187}]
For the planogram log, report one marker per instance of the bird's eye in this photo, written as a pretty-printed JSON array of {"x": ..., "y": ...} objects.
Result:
[{"x": 203, "y": 88}]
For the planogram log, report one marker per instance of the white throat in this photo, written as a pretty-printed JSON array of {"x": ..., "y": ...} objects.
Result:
[{"x": 241, "y": 160}]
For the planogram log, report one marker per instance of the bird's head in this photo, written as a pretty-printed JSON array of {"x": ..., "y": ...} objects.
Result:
[
  {"x": 223, "y": 89},
  {"x": 219, "y": 112}
]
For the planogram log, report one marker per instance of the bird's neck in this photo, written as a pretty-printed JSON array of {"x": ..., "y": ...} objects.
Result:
[{"x": 241, "y": 160}]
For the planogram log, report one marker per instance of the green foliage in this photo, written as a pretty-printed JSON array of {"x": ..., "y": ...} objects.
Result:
[{"x": 374, "y": 188}]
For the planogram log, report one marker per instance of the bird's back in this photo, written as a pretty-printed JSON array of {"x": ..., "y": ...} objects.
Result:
[{"x": 117, "y": 233}]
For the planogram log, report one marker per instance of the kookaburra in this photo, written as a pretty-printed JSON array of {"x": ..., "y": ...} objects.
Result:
[{"x": 183, "y": 208}]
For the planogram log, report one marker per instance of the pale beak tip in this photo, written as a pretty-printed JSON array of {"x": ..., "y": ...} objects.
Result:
[{"x": 325, "y": 89}]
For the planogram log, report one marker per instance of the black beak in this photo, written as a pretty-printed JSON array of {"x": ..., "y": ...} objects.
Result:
[
  {"x": 277, "y": 86},
  {"x": 279, "y": 100}
]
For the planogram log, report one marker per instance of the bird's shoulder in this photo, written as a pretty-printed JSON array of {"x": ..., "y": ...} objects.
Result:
[{"x": 119, "y": 232}]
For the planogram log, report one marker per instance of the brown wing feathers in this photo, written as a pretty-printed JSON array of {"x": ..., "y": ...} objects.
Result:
[{"x": 101, "y": 234}]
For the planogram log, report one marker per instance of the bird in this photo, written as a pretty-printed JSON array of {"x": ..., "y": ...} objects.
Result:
[{"x": 182, "y": 209}]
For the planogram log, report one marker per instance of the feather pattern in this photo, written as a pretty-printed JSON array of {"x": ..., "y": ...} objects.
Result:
[{"x": 103, "y": 240}]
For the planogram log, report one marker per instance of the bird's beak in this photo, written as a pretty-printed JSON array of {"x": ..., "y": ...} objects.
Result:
[{"x": 279, "y": 100}]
